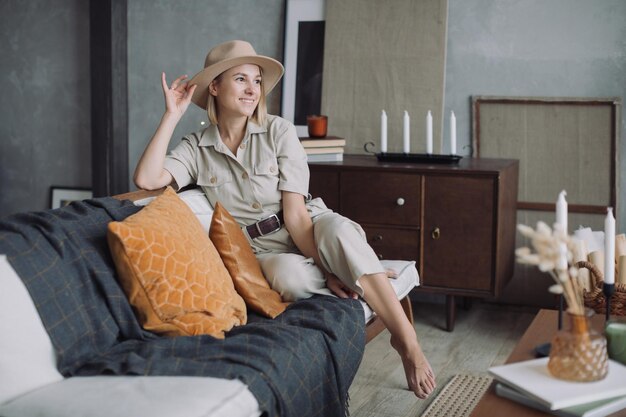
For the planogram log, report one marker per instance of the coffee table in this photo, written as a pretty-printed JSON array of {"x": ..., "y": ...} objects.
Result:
[{"x": 540, "y": 331}]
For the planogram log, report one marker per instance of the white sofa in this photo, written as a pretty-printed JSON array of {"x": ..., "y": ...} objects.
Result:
[{"x": 31, "y": 385}]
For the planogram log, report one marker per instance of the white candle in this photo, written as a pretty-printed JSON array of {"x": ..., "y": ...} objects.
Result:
[
  {"x": 562, "y": 262},
  {"x": 429, "y": 133},
  {"x": 452, "y": 134},
  {"x": 406, "y": 133},
  {"x": 383, "y": 132},
  {"x": 561, "y": 211},
  {"x": 609, "y": 247}
]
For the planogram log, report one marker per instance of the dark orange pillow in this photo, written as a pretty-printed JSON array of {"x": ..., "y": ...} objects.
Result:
[
  {"x": 172, "y": 273},
  {"x": 242, "y": 265}
]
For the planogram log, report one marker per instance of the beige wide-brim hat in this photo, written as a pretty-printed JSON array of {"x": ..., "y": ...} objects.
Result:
[{"x": 227, "y": 55}]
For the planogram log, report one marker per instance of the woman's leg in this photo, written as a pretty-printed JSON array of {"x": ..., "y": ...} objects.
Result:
[
  {"x": 345, "y": 252},
  {"x": 380, "y": 296}
]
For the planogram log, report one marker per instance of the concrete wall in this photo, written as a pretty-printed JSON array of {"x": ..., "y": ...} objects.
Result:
[
  {"x": 45, "y": 136},
  {"x": 175, "y": 36},
  {"x": 546, "y": 48},
  {"x": 496, "y": 47}
]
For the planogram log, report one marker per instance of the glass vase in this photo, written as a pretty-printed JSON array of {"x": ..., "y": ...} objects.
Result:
[{"x": 579, "y": 353}]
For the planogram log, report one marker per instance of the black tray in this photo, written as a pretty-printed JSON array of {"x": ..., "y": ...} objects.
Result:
[{"x": 419, "y": 158}]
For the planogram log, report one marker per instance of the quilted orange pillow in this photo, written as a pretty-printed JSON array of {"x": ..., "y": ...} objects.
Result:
[
  {"x": 171, "y": 272},
  {"x": 242, "y": 265}
]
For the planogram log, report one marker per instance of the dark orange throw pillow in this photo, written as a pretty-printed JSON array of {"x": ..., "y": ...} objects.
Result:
[
  {"x": 171, "y": 272},
  {"x": 242, "y": 265}
]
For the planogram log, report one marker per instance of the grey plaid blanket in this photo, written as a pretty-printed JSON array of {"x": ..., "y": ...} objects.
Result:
[{"x": 299, "y": 364}]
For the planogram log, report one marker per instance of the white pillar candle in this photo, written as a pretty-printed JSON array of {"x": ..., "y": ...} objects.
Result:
[
  {"x": 429, "y": 133},
  {"x": 452, "y": 134},
  {"x": 383, "y": 131},
  {"x": 562, "y": 262},
  {"x": 561, "y": 211},
  {"x": 609, "y": 247},
  {"x": 406, "y": 133}
]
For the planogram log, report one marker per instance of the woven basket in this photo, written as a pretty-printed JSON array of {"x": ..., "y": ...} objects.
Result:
[{"x": 595, "y": 299}]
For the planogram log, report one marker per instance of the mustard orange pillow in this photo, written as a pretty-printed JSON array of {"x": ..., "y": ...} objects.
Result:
[
  {"x": 242, "y": 265},
  {"x": 172, "y": 273}
]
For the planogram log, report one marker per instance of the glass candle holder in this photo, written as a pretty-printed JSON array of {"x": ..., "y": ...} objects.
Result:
[
  {"x": 579, "y": 353},
  {"x": 317, "y": 125}
]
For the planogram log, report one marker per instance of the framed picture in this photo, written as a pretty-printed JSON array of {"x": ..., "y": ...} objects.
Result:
[
  {"x": 304, "y": 61},
  {"x": 62, "y": 196},
  {"x": 532, "y": 129}
]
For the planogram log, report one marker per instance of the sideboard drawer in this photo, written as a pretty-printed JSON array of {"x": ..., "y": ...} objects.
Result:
[
  {"x": 392, "y": 243},
  {"x": 381, "y": 197}
]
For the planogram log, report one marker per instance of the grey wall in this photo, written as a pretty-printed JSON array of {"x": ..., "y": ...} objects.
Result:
[
  {"x": 45, "y": 114},
  {"x": 552, "y": 48},
  {"x": 174, "y": 36}
]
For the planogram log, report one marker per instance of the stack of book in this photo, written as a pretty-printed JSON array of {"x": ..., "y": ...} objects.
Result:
[
  {"x": 326, "y": 149},
  {"x": 530, "y": 383}
]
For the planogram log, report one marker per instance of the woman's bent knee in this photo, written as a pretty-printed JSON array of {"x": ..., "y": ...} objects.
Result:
[{"x": 293, "y": 276}]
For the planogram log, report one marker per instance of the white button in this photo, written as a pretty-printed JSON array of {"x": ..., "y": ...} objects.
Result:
[{"x": 256, "y": 205}]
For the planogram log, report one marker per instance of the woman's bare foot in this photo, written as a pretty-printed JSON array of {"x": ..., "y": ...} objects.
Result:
[{"x": 419, "y": 375}]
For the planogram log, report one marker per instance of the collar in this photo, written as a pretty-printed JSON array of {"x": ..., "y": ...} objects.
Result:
[{"x": 211, "y": 135}]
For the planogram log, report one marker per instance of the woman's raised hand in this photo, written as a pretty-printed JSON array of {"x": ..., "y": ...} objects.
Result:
[{"x": 178, "y": 96}]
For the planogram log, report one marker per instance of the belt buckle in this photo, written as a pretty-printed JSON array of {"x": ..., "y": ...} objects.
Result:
[{"x": 258, "y": 228}]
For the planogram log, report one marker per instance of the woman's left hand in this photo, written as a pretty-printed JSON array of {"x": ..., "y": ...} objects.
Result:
[{"x": 339, "y": 288}]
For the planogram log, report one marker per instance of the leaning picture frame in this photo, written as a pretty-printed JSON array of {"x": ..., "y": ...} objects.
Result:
[
  {"x": 62, "y": 196},
  {"x": 303, "y": 60}
]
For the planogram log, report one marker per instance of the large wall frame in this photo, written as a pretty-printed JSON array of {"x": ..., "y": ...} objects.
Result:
[{"x": 610, "y": 107}]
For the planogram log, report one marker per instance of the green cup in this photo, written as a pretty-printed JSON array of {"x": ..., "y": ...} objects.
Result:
[{"x": 615, "y": 332}]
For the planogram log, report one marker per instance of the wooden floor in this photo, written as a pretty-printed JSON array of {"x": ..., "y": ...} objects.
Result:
[{"x": 483, "y": 336}]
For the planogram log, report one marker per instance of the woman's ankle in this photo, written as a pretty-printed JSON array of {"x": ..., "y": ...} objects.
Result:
[{"x": 406, "y": 346}]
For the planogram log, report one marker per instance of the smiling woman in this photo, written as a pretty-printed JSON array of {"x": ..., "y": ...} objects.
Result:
[
  {"x": 241, "y": 94},
  {"x": 254, "y": 166}
]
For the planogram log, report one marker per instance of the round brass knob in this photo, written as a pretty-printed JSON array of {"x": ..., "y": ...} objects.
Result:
[
  {"x": 436, "y": 233},
  {"x": 377, "y": 238},
  {"x": 400, "y": 201}
]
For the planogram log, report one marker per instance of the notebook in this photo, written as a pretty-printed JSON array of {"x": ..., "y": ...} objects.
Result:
[
  {"x": 533, "y": 379},
  {"x": 598, "y": 408}
]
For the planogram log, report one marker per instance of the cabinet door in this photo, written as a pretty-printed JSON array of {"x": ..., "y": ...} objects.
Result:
[{"x": 459, "y": 233}]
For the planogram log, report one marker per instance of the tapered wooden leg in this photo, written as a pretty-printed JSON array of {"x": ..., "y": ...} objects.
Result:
[{"x": 450, "y": 312}]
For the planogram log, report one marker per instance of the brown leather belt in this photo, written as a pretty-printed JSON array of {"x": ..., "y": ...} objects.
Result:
[{"x": 266, "y": 226}]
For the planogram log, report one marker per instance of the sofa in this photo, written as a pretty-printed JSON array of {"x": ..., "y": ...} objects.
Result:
[{"x": 76, "y": 343}]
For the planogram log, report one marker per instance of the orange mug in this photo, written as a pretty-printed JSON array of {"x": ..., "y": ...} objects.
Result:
[{"x": 317, "y": 125}]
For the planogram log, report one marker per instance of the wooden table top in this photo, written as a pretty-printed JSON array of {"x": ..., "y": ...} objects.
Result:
[{"x": 540, "y": 331}]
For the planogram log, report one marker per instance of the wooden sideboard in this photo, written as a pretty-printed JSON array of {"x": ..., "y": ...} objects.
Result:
[{"x": 456, "y": 221}]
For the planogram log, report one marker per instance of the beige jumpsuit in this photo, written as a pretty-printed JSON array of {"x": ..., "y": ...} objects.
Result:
[{"x": 249, "y": 184}]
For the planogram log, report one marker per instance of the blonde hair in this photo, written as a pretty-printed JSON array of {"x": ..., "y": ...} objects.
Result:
[{"x": 259, "y": 115}]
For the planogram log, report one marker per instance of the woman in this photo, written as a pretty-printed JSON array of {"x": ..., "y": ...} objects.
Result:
[{"x": 254, "y": 165}]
